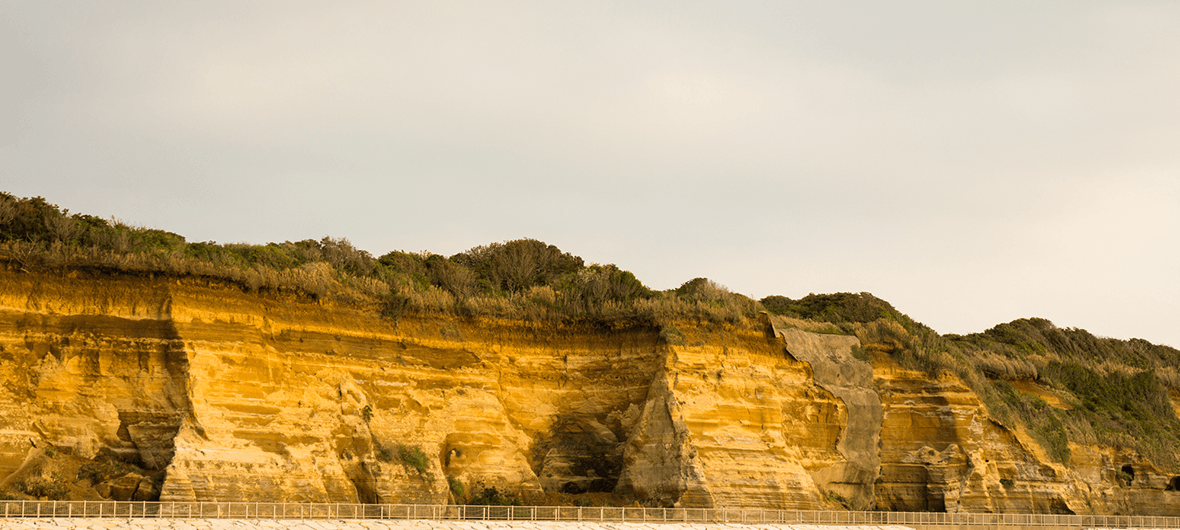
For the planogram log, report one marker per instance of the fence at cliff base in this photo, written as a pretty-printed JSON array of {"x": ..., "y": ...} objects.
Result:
[{"x": 265, "y": 510}]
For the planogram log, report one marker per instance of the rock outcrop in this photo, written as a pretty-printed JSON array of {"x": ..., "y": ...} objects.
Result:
[
  {"x": 940, "y": 451},
  {"x": 838, "y": 371},
  {"x": 203, "y": 391},
  {"x": 247, "y": 396},
  {"x": 733, "y": 419}
]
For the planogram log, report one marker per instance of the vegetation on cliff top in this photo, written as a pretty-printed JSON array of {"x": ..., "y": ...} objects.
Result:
[
  {"x": 1117, "y": 391},
  {"x": 521, "y": 279}
]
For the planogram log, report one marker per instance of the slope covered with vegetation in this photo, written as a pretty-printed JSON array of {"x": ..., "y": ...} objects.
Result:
[{"x": 1116, "y": 391}]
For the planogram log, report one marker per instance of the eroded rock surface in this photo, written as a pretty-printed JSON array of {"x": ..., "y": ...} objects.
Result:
[
  {"x": 201, "y": 391},
  {"x": 733, "y": 419},
  {"x": 940, "y": 451},
  {"x": 244, "y": 396},
  {"x": 838, "y": 371}
]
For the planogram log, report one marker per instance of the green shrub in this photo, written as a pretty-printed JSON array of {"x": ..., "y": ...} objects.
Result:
[
  {"x": 837, "y": 308},
  {"x": 837, "y": 498},
  {"x": 457, "y": 488},
  {"x": 42, "y": 487},
  {"x": 413, "y": 457},
  {"x": 514, "y": 266},
  {"x": 494, "y": 497},
  {"x": 395, "y": 305},
  {"x": 454, "y": 278}
]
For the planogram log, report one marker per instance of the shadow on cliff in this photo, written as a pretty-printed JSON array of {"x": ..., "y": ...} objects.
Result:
[{"x": 132, "y": 374}]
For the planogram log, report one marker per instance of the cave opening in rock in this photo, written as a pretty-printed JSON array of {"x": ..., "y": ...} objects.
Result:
[
  {"x": 1173, "y": 485},
  {"x": 1129, "y": 471}
]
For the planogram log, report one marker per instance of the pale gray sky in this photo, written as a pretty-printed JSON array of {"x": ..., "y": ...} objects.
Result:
[{"x": 970, "y": 162}]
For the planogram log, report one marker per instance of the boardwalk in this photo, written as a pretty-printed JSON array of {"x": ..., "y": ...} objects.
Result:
[
  {"x": 81, "y": 523},
  {"x": 81, "y": 515}
]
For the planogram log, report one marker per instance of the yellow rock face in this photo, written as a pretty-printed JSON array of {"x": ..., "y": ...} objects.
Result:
[
  {"x": 88, "y": 366},
  {"x": 247, "y": 397},
  {"x": 239, "y": 396},
  {"x": 732, "y": 419},
  {"x": 941, "y": 452}
]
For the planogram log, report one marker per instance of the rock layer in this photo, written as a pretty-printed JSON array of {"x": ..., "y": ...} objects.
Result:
[
  {"x": 940, "y": 451},
  {"x": 733, "y": 419},
  {"x": 218, "y": 394},
  {"x": 246, "y": 396}
]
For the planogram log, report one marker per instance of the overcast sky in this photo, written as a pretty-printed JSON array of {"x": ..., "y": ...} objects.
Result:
[{"x": 970, "y": 162}]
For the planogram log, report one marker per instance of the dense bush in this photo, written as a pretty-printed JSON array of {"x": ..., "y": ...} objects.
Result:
[
  {"x": 456, "y": 487},
  {"x": 39, "y": 486},
  {"x": 514, "y": 266},
  {"x": 494, "y": 497},
  {"x": 412, "y": 457},
  {"x": 38, "y": 223},
  {"x": 1119, "y": 408},
  {"x": 1043, "y": 423},
  {"x": 837, "y": 308}
]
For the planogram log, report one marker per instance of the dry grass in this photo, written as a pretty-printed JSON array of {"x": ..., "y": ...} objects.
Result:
[
  {"x": 1001, "y": 367},
  {"x": 781, "y": 321},
  {"x": 318, "y": 279},
  {"x": 883, "y": 335}
]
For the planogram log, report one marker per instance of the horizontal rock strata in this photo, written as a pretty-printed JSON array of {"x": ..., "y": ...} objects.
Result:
[{"x": 186, "y": 389}]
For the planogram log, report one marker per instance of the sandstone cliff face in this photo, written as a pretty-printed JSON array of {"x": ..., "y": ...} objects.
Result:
[
  {"x": 90, "y": 366},
  {"x": 941, "y": 452},
  {"x": 218, "y": 394},
  {"x": 243, "y": 397},
  {"x": 733, "y": 419}
]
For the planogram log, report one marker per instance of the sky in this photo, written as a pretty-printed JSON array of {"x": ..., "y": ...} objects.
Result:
[{"x": 971, "y": 162}]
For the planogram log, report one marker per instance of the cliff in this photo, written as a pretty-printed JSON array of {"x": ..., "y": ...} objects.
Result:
[{"x": 181, "y": 388}]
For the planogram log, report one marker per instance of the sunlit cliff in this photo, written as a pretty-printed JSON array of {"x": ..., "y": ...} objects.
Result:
[{"x": 148, "y": 382}]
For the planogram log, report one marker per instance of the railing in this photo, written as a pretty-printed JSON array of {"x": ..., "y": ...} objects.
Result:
[{"x": 269, "y": 510}]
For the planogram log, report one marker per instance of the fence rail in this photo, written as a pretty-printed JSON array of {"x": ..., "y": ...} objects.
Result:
[{"x": 266, "y": 510}]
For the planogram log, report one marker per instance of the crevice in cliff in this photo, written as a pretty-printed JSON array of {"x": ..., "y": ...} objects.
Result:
[
  {"x": 154, "y": 433},
  {"x": 102, "y": 378},
  {"x": 580, "y": 456},
  {"x": 578, "y": 409},
  {"x": 168, "y": 426},
  {"x": 363, "y": 481}
]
